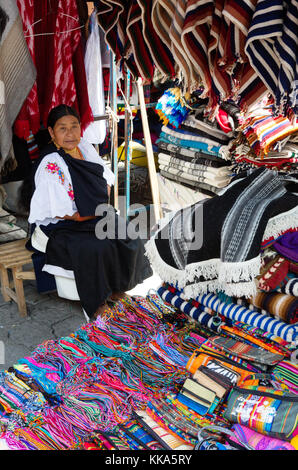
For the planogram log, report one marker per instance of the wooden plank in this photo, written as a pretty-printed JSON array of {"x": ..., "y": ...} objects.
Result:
[
  {"x": 10, "y": 263},
  {"x": 26, "y": 275},
  {"x": 19, "y": 289},
  {"x": 8, "y": 247},
  {"x": 149, "y": 151},
  {"x": 4, "y": 283},
  {"x": 11, "y": 293},
  {"x": 16, "y": 256}
]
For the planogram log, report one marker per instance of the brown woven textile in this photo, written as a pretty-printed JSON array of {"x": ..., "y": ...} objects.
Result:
[{"x": 17, "y": 75}]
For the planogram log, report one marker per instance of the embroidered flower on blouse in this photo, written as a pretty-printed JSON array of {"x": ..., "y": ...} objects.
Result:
[
  {"x": 54, "y": 168},
  {"x": 70, "y": 192}
]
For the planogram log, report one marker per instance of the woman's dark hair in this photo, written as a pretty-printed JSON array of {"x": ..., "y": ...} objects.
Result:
[
  {"x": 43, "y": 138},
  {"x": 59, "y": 112}
]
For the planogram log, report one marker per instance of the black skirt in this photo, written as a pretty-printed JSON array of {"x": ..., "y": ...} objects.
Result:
[{"x": 101, "y": 266}]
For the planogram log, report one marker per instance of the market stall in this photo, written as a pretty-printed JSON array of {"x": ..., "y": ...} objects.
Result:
[{"x": 208, "y": 361}]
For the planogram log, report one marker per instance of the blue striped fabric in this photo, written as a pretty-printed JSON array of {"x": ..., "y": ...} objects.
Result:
[
  {"x": 190, "y": 144},
  {"x": 272, "y": 48},
  {"x": 234, "y": 312},
  {"x": 198, "y": 314}
]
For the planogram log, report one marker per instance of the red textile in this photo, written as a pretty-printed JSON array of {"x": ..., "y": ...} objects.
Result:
[{"x": 59, "y": 60}]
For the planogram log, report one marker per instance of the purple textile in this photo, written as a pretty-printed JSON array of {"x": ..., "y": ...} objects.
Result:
[{"x": 287, "y": 246}]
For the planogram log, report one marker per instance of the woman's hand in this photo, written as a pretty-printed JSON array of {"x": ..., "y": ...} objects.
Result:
[{"x": 77, "y": 217}]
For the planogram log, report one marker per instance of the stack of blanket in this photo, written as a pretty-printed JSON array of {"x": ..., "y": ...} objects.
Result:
[{"x": 196, "y": 153}]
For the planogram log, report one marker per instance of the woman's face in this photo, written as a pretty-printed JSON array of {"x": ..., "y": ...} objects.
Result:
[{"x": 66, "y": 132}]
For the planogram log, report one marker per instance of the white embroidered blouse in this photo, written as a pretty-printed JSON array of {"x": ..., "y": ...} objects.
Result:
[{"x": 53, "y": 196}]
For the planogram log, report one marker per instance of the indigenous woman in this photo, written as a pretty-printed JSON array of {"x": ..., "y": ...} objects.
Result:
[{"x": 70, "y": 182}]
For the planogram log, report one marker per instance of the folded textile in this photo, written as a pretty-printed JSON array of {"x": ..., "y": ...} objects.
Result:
[
  {"x": 237, "y": 312},
  {"x": 191, "y": 144},
  {"x": 194, "y": 156},
  {"x": 264, "y": 133},
  {"x": 287, "y": 371},
  {"x": 202, "y": 186},
  {"x": 185, "y": 135},
  {"x": 285, "y": 158},
  {"x": 193, "y": 167},
  {"x": 192, "y": 131},
  {"x": 198, "y": 122},
  {"x": 215, "y": 244},
  {"x": 287, "y": 246},
  {"x": 290, "y": 287},
  {"x": 174, "y": 196},
  {"x": 280, "y": 305},
  {"x": 273, "y": 274},
  {"x": 194, "y": 175}
]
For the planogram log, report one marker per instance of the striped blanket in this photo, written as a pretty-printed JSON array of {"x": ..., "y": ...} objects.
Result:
[
  {"x": 282, "y": 306},
  {"x": 192, "y": 172},
  {"x": 196, "y": 168},
  {"x": 215, "y": 245},
  {"x": 213, "y": 36},
  {"x": 272, "y": 48},
  {"x": 229, "y": 310},
  {"x": 201, "y": 186},
  {"x": 265, "y": 133},
  {"x": 192, "y": 155}
]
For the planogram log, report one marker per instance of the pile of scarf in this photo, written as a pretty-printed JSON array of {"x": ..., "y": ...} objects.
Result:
[
  {"x": 218, "y": 46},
  {"x": 216, "y": 244},
  {"x": 117, "y": 383},
  {"x": 265, "y": 139}
]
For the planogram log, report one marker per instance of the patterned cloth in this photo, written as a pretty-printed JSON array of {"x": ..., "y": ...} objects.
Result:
[
  {"x": 215, "y": 245},
  {"x": 17, "y": 73},
  {"x": 238, "y": 312},
  {"x": 282, "y": 306},
  {"x": 272, "y": 49}
]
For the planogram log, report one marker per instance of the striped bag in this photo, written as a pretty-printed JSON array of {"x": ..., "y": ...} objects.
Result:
[{"x": 266, "y": 410}]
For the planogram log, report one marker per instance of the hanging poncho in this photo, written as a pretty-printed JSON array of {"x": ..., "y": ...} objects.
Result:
[{"x": 215, "y": 245}]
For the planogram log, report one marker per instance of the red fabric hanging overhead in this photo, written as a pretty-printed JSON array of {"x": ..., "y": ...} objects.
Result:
[{"x": 59, "y": 60}]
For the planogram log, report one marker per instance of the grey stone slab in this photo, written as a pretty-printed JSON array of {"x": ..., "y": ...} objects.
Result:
[{"x": 12, "y": 353}]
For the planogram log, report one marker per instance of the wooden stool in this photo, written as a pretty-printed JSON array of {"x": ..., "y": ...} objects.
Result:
[{"x": 13, "y": 256}]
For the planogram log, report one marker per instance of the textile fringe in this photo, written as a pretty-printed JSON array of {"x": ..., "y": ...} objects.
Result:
[
  {"x": 282, "y": 222},
  {"x": 240, "y": 271},
  {"x": 163, "y": 270}
]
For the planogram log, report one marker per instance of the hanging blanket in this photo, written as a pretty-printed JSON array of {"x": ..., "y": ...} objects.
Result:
[
  {"x": 160, "y": 53},
  {"x": 17, "y": 73},
  {"x": 59, "y": 61},
  {"x": 272, "y": 47},
  {"x": 215, "y": 245}
]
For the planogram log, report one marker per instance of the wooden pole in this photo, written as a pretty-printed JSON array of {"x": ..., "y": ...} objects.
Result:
[
  {"x": 127, "y": 144},
  {"x": 114, "y": 143},
  {"x": 149, "y": 151}
]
